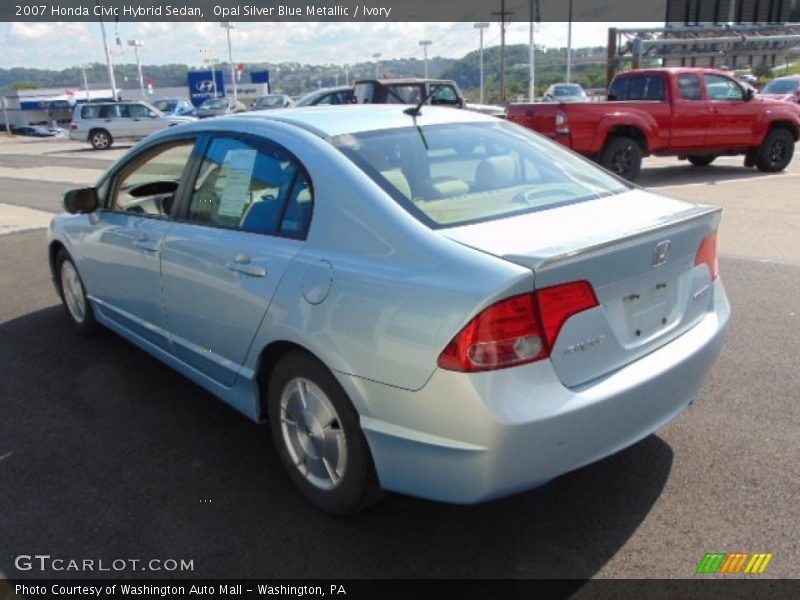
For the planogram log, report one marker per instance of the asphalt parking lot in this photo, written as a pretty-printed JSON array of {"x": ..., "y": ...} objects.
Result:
[{"x": 106, "y": 453}]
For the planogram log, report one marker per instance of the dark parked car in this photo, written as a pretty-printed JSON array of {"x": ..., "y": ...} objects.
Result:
[
  {"x": 783, "y": 88},
  {"x": 32, "y": 131},
  {"x": 442, "y": 92}
]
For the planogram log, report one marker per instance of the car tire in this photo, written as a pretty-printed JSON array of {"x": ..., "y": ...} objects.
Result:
[
  {"x": 622, "y": 156},
  {"x": 100, "y": 139},
  {"x": 776, "y": 152},
  {"x": 73, "y": 295},
  {"x": 701, "y": 160},
  {"x": 318, "y": 438}
]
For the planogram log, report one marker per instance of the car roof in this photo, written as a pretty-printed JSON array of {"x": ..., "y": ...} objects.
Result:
[{"x": 336, "y": 120}]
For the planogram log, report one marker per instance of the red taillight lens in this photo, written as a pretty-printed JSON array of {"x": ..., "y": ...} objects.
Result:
[
  {"x": 707, "y": 255},
  {"x": 517, "y": 330},
  {"x": 73, "y": 126},
  {"x": 559, "y": 302}
]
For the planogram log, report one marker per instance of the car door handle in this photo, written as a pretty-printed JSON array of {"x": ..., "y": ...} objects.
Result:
[
  {"x": 148, "y": 245},
  {"x": 242, "y": 264}
]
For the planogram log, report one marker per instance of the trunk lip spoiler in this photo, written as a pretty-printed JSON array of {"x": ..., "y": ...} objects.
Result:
[{"x": 561, "y": 256}]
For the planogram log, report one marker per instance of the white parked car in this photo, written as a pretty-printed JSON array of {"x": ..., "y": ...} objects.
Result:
[{"x": 103, "y": 123}]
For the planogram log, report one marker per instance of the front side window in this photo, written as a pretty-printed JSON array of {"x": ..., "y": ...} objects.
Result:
[
  {"x": 149, "y": 185},
  {"x": 444, "y": 94},
  {"x": 403, "y": 94},
  {"x": 255, "y": 189},
  {"x": 722, "y": 88},
  {"x": 449, "y": 175}
]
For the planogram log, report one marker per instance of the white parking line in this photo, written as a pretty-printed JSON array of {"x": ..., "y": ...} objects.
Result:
[{"x": 19, "y": 218}]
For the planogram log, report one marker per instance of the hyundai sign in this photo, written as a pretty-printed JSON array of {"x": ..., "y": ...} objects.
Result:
[{"x": 204, "y": 85}]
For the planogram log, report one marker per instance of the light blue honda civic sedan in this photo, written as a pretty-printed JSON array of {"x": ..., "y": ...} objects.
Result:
[{"x": 431, "y": 302}]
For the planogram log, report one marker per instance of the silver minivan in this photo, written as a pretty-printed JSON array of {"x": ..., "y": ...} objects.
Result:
[{"x": 103, "y": 123}]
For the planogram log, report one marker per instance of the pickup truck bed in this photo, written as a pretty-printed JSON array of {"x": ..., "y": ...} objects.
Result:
[{"x": 695, "y": 114}]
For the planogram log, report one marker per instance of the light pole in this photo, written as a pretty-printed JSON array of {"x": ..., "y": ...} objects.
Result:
[
  {"x": 210, "y": 61},
  {"x": 228, "y": 25},
  {"x": 85, "y": 81},
  {"x": 136, "y": 44},
  {"x": 569, "y": 41},
  {"x": 425, "y": 44},
  {"x": 532, "y": 51},
  {"x": 376, "y": 56},
  {"x": 347, "y": 74},
  {"x": 110, "y": 66},
  {"x": 480, "y": 27}
]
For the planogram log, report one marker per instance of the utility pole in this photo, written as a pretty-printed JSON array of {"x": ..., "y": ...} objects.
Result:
[
  {"x": 228, "y": 25},
  {"x": 480, "y": 27},
  {"x": 376, "y": 56},
  {"x": 85, "y": 81},
  {"x": 569, "y": 42},
  {"x": 136, "y": 44},
  {"x": 110, "y": 66},
  {"x": 425, "y": 44},
  {"x": 4, "y": 102},
  {"x": 503, "y": 14},
  {"x": 532, "y": 51}
]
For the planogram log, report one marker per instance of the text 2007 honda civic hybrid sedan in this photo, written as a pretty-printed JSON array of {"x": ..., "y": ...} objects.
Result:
[{"x": 441, "y": 304}]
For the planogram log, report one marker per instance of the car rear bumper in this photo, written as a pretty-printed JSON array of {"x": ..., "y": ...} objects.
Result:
[{"x": 466, "y": 438}]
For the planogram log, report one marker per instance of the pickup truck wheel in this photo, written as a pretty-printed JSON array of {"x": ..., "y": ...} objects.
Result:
[
  {"x": 776, "y": 152},
  {"x": 622, "y": 156},
  {"x": 701, "y": 160}
]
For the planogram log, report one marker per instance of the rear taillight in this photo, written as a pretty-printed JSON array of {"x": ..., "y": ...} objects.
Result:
[
  {"x": 73, "y": 126},
  {"x": 518, "y": 330},
  {"x": 562, "y": 125},
  {"x": 707, "y": 255}
]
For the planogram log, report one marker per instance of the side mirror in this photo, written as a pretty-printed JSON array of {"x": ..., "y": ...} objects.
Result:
[
  {"x": 748, "y": 94},
  {"x": 82, "y": 200}
]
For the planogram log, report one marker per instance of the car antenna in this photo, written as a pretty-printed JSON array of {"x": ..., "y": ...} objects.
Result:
[{"x": 414, "y": 111}]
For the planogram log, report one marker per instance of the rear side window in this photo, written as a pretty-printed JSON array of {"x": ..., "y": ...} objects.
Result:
[
  {"x": 650, "y": 87},
  {"x": 689, "y": 85},
  {"x": 619, "y": 88},
  {"x": 254, "y": 189},
  {"x": 99, "y": 111}
]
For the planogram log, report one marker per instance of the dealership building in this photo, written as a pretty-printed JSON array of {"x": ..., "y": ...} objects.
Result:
[{"x": 44, "y": 106}]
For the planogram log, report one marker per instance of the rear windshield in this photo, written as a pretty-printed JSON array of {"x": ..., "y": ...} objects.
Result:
[
  {"x": 455, "y": 174},
  {"x": 569, "y": 90},
  {"x": 781, "y": 86}
]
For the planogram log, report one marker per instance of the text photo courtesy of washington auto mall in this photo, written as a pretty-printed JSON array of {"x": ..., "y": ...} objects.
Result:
[{"x": 365, "y": 298}]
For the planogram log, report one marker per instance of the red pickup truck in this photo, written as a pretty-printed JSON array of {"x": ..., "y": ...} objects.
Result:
[{"x": 695, "y": 114}]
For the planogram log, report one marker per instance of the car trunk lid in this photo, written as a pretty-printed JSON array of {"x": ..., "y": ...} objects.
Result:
[{"x": 637, "y": 250}]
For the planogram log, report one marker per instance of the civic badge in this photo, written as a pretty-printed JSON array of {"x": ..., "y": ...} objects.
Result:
[{"x": 661, "y": 253}]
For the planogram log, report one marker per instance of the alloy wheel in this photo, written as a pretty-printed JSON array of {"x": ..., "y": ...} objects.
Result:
[{"x": 312, "y": 433}]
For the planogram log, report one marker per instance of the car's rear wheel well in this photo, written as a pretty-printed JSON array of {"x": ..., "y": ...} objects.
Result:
[
  {"x": 53, "y": 251},
  {"x": 629, "y": 131},
  {"x": 270, "y": 356}
]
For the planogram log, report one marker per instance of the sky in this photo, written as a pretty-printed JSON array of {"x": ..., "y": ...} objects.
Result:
[{"x": 61, "y": 45}]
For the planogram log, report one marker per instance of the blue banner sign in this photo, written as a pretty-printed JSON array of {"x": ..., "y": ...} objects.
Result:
[
  {"x": 204, "y": 85},
  {"x": 259, "y": 76}
]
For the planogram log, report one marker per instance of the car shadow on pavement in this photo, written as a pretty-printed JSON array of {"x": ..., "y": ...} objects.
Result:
[
  {"x": 684, "y": 173},
  {"x": 105, "y": 453}
]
